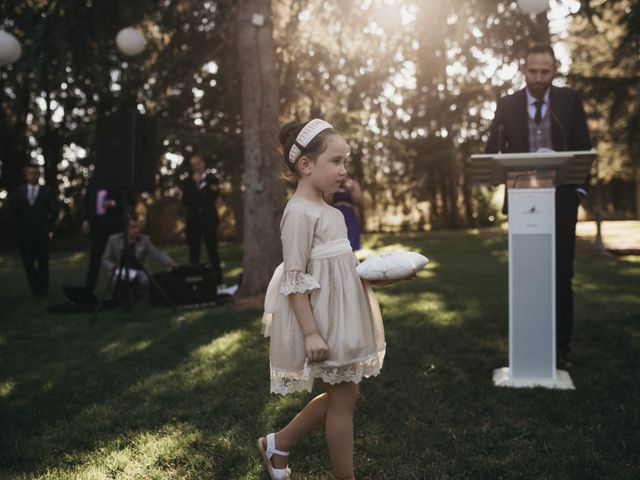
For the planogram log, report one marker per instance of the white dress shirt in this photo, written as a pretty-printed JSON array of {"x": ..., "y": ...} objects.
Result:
[
  {"x": 32, "y": 193},
  {"x": 531, "y": 104}
]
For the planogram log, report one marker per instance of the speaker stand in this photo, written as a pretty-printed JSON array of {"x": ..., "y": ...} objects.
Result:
[{"x": 121, "y": 274}]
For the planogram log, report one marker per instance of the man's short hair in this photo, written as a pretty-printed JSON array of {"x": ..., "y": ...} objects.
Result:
[
  {"x": 137, "y": 220},
  {"x": 540, "y": 48},
  {"x": 32, "y": 165}
]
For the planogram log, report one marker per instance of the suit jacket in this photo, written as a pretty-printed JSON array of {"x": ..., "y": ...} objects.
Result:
[
  {"x": 200, "y": 203},
  {"x": 143, "y": 248},
  {"x": 569, "y": 129},
  {"x": 41, "y": 216},
  {"x": 113, "y": 219}
]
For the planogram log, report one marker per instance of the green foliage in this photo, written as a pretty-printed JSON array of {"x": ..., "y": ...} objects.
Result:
[
  {"x": 412, "y": 84},
  {"x": 71, "y": 61},
  {"x": 607, "y": 72}
]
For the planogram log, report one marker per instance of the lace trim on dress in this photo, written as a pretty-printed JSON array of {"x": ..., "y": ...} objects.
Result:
[
  {"x": 294, "y": 281},
  {"x": 285, "y": 381}
]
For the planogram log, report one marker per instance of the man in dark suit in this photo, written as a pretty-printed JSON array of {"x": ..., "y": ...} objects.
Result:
[
  {"x": 35, "y": 209},
  {"x": 199, "y": 194},
  {"x": 103, "y": 216},
  {"x": 542, "y": 116}
]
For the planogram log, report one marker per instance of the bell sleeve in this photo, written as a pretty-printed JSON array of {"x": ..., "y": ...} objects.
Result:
[{"x": 297, "y": 239}]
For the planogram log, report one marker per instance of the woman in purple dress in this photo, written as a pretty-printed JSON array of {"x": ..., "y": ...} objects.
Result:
[{"x": 347, "y": 199}]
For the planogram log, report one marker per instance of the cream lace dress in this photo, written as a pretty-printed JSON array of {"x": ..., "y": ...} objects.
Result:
[{"x": 318, "y": 260}]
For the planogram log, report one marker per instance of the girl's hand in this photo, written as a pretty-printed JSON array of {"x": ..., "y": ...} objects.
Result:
[{"x": 315, "y": 347}]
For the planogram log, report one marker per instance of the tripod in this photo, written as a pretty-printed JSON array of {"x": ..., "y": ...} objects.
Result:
[
  {"x": 120, "y": 285},
  {"x": 125, "y": 158}
]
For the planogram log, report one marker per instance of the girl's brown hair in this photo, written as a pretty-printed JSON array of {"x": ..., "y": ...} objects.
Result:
[{"x": 287, "y": 136}]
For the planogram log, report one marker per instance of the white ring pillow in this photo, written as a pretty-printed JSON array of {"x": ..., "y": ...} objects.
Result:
[{"x": 391, "y": 265}]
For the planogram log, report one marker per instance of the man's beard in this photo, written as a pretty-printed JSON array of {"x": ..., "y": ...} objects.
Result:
[{"x": 538, "y": 88}]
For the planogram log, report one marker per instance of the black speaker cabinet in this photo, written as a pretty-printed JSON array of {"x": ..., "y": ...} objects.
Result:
[
  {"x": 126, "y": 152},
  {"x": 186, "y": 286}
]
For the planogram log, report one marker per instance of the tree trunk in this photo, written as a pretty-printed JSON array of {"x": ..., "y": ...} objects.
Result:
[
  {"x": 237, "y": 206},
  {"x": 374, "y": 208},
  {"x": 358, "y": 174},
  {"x": 444, "y": 194},
  {"x": 264, "y": 191},
  {"x": 468, "y": 202},
  {"x": 540, "y": 29},
  {"x": 637, "y": 192},
  {"x": 454, "y": 179},
  {"x": 15, "y": 148},
  {"x": 432, "y": 192}
]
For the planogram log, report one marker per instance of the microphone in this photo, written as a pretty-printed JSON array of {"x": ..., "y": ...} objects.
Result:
[
  {"x": 500, "y": 135},
  {"x": 564, "y": 136}
]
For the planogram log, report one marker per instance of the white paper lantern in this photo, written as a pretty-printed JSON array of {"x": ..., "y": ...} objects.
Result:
[
  {"x": 130, "y": 41},
  {"x": 533, "y": 7},
  {"x": 10, "y": 49}
]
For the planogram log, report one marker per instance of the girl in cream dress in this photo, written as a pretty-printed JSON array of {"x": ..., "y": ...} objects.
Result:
[{"x": 323, "y": 320}]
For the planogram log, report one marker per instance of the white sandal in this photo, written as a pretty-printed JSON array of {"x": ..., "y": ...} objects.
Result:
[{"x": 274, "y": 473}]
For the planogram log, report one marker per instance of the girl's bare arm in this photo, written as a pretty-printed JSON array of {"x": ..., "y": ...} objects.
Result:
[{"x": 314, "y": 345}]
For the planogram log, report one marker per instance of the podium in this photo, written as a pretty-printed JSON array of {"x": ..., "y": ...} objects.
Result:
[{"x": 531, "y": 179}]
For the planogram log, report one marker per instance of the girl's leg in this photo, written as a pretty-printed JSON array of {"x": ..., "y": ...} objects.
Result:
[
  {"x": 341, "y": 402},
  {"x": 311, "y": 417}
]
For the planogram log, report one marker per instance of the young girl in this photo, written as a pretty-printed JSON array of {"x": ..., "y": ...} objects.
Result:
[{"x": 324, "y": 321}]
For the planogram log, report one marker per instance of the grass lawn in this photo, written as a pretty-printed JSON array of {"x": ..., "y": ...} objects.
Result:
[{"x": 153, "y": 395}]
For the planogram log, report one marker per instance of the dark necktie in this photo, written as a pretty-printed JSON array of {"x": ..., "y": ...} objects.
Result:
[{"x": 538, "y": 118}]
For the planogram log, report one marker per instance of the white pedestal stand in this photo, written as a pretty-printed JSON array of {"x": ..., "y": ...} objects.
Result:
[{"x": 532, "y": 293}]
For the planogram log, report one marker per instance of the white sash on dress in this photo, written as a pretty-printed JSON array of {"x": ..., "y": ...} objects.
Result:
[{"x": 325, "y": 250}]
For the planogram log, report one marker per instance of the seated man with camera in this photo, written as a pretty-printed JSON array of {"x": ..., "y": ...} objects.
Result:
[{"x": 139, "y": 248}]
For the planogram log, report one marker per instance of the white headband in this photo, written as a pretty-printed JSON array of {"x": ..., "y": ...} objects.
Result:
[{"x": 308, "y": 133}]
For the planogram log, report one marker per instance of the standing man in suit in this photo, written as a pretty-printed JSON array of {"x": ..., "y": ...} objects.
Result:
[
  {"x": 199, "y": 194},
  {"x": 103, "y": 216},
  {"x": 35, "y": 209},
  {"x": 542, "y": 116}
]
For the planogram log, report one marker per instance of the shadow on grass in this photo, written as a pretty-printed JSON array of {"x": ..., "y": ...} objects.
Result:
[
  {"x": 72, "y": 392},
  {"x": 434, "y": 412},
  {"x": 118, "y": 378},
  {"x": 154, "y": 396}
]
